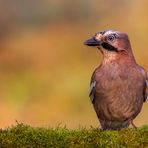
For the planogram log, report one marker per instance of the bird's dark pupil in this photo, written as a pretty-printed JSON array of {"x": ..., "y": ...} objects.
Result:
[{"x": 111, "y": 38}]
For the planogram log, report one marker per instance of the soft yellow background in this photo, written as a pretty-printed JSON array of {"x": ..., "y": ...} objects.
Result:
[{"x": 45, "y": 69}]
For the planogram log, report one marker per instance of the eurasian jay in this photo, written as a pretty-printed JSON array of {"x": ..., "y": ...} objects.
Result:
[{"x": 118, "y": 86}]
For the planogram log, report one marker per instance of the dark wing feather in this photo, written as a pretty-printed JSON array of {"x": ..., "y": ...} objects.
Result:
[
  {"x": 92, "y": 87},
  {"x": 91, "y": 92}
]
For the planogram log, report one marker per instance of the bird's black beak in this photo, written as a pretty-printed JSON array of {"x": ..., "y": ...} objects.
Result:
[{"x": 92, "y": 42}]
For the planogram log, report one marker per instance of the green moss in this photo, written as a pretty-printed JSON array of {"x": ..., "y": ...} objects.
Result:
[{"x": 23, "y": 136}]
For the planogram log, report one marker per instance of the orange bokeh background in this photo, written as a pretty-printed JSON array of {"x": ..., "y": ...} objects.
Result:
[{"x": 45, "y": 69}]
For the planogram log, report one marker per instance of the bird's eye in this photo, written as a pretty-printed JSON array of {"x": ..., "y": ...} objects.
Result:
[{"x": 111, "y": 38}]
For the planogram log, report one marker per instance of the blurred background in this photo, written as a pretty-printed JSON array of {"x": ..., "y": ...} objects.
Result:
[{"x": 45, "y": 69}]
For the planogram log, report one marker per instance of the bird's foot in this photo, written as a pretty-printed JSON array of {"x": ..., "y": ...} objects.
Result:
[{"x": 134, "y": 126}]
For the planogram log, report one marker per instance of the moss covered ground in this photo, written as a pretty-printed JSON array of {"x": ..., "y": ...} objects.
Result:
[{"x": 24, "y": 136}]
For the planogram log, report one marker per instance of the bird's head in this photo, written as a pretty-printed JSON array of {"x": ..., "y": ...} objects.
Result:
[{"x": 110, "y": 41}]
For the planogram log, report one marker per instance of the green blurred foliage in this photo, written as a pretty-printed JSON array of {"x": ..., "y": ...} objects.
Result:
[{"x": 45, "y": 69}]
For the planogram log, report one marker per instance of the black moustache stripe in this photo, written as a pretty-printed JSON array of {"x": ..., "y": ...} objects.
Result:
[{"x": 109, "y": 47}]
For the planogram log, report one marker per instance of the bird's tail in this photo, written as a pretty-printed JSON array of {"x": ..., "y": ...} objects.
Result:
[{"x": 113, "y": 125}]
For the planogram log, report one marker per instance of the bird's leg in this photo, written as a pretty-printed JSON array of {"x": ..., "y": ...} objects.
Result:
[{"x": 134, "y": 126}]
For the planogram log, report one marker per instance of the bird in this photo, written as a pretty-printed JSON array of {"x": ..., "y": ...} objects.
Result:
[{"x": 118, "y": 85}]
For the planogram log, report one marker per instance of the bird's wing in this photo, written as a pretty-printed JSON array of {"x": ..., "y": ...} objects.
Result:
[
  {"x": 91, "y": 92},
  {"x": 92, "y": 87},
  {"x": 144, "y": 73},
  {"x": 146, "y": 91}
]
